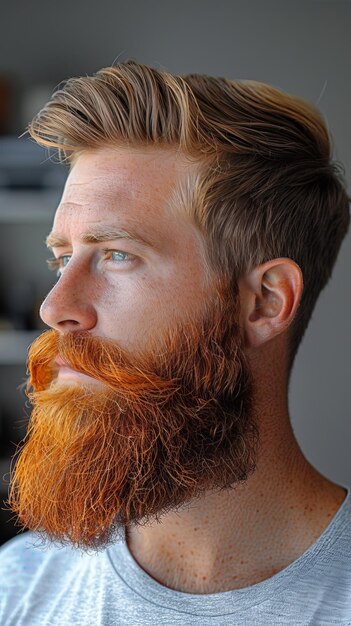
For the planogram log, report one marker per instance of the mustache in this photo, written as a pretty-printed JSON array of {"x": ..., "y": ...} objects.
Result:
[
  {"x": 163, "y": 368},
  {"x": 96, "y": 357}
]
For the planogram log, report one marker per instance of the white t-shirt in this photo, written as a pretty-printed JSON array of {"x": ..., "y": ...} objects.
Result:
[{"x": 61, "y": 586}]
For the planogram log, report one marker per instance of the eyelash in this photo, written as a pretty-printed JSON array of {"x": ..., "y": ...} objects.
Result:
[{"x": 55, "y": 264}]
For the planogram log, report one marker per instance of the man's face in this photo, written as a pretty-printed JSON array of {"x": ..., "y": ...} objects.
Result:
[
  {"x": 120, "y": 288},
  {"x": 154, "y": 404}
]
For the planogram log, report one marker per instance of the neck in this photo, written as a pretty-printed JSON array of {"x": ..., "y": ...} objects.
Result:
[{"x": 236, "y": 538}]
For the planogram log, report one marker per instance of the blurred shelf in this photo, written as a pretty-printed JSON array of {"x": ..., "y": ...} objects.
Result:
[
  {"x": 28, "y": 206},
  {"x": 14, "y": 345}
]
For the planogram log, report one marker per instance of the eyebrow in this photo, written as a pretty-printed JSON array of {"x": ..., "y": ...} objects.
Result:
[{"x": 98, "y": 235}]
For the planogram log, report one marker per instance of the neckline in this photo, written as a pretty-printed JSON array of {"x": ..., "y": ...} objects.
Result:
[{"x": 228, "y": 602}]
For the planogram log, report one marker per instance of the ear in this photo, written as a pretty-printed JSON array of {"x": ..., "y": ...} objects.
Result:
[{"x": 270, "y": 295}]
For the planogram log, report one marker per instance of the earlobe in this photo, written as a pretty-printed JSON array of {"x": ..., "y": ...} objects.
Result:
[{"x": 270, "y": 299}]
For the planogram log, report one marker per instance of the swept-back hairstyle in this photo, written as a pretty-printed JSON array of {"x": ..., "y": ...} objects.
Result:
[{"x": 267, "y": 186}]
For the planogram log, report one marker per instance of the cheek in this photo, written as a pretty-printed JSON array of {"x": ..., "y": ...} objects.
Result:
[
  {"x": 130, "y": 307},
  {"x": 130, "y": 311}
]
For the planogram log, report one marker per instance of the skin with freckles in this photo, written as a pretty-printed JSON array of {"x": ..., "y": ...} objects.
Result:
[{"x": 125, "y": 290}]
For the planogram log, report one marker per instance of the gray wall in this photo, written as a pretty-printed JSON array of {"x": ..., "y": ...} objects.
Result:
[{"x": 301, "y": 46}]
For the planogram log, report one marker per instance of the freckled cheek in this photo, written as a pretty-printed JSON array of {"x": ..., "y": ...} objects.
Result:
[
  {"x": 188, "y": 290},
  {"x": 127, "y": 310},
  {"x": 130, "y": 310}
]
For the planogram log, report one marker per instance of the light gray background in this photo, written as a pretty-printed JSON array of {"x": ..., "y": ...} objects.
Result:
[{"x": 302, "y": 47}]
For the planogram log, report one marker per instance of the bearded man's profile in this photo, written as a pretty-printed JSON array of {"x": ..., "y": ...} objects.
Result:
[{"x": 160, "y": 478}]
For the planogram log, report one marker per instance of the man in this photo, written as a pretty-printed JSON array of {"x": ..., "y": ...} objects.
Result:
[{"x": 200, "y": 220}]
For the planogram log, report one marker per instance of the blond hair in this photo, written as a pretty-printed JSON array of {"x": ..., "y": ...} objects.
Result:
[{"x": 268, "y": 187}]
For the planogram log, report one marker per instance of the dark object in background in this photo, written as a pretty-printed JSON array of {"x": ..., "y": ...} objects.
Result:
[
  {"x": 5, "y": 105},
  {"x": 20, "y": 305},
  {"x": 25, "y": 165}
]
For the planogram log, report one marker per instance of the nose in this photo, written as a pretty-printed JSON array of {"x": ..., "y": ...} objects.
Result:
[{"x": 68, "y": 306}]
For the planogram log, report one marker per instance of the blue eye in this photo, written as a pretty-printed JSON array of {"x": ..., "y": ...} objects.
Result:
[
  {"x": 119, "y": 255},
  {"x": 58, "y": 264},
  {"x": 64, "y": 259}
]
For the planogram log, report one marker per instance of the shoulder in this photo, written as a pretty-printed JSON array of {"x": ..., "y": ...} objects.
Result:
[
  {"x": 17, "y": 551},
  {"x": 27, "y": 555},
  {"x": 20, "y": 562},
  {"x": 32, "y": 571},
  {"x": 20, "y": 558}
]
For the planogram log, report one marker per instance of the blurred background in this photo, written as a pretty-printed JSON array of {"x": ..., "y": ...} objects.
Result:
[{"x": 300, "y": 46}]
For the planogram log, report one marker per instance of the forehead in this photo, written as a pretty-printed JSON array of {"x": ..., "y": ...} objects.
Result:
[{"x": 137, "y": 185}]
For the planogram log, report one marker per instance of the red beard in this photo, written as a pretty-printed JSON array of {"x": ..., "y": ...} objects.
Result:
[{"x": 167, "y": 424}]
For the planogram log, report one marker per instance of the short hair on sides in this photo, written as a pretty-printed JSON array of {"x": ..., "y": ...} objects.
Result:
[{"x": 267, "y": 186}]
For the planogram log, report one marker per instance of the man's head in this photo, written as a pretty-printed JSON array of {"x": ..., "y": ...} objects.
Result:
[
  {"x": 263, "y": 185},
  {"x": 193, "y": 208}
]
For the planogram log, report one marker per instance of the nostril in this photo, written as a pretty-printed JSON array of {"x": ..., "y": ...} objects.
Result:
[{"x": 68, "y": 323}]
